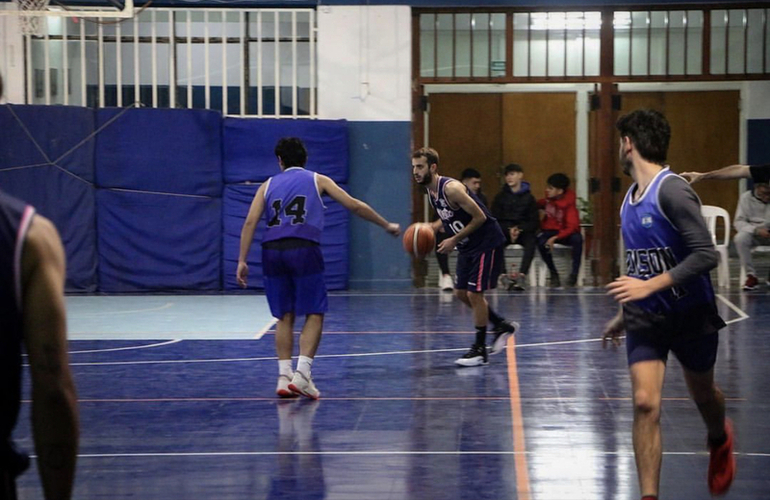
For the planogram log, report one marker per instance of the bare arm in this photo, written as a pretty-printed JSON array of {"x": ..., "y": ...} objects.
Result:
[
  {"x": 247, "y": 234},
  {"x": 358, "y": 207},
  {"x": 726, "y": 173},
  {"x": 54, "y": 401}
]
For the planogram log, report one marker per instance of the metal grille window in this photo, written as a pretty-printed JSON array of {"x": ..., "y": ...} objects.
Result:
[
  {"x": 462, "y": 45},
  {"x": 658, "y": 43},
  {"x": 467, "y": 45},
  {"x": 740, "y": 41},
  {"x": 242, "y": 62}
]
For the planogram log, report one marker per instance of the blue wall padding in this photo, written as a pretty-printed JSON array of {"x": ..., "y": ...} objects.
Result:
[
  {"x": 249, "y": 147},
  {"x": 44, "y": 134},
  {"x": 758, "y": 142},
  {"x": 32, "y": 137},
  {"x": 158, "y": 242},
  {"x": 160, "y": 150},
  {"x": 69, "y": 203},
  {"x": 334, "y": 241}
]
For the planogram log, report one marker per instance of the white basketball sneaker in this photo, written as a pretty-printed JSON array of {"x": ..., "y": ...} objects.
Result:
[{"x": 303, "y": 384}]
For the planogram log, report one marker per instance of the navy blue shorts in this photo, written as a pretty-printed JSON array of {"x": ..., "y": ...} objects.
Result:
[
  {"x": 294, "y": 280},
  {"x": 693, "y": 336},
  {"x": 479, "y": 271}
]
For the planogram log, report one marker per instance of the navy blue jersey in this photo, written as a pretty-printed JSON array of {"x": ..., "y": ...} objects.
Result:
[
  {"x": 294, "y": 208},
  {"x": 15, "y": 217},
  {"x": 486, "y": 237},
  {"x": 654, "y": 246}
]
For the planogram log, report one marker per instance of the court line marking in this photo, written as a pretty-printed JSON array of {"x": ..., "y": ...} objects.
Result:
[
  {"x": 573, "y": 451},
  {"x": 517, "y": 423},
  {"x": 129, "y": 348},
  {"x": 262, "y": 331},
  {"x": 130, "y": 311},
  {"x": 348, "y": 355},
  {"x": 273, "y": 399},
  {"x": 740, "y": 312}
]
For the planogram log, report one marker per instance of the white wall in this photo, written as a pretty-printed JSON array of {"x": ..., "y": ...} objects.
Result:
[
  {"x": 11, "y": 57},
  {"x": 364, "y": 63},
  {"x": 757, "y": 103}
]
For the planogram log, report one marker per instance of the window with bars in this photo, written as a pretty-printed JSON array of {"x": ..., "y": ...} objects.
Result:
[
  {"x": 552, "y": 46},
  {"x": 243, "y": 62}
]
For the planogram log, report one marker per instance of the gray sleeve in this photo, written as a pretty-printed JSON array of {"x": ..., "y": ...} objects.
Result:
[{"x": 681, "y": 205}]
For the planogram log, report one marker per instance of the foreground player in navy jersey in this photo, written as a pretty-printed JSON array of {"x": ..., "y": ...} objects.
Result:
[
  {"x": 292, "y": 263},
  {"x": 667, "y": 300},
  {"x": 480, "y": 243},
  {"x": 32, "y": 312}
]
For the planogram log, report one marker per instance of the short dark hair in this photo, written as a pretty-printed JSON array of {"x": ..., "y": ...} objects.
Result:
[
  {"x": 513, "y": 167},
  {"x": 291, "y": 151},
  {"x": 649, "y": 131},
  {"x": 429, "y": 154},
  {"x": 470, "y": 173},
  {"x": 559, "y": 181}
]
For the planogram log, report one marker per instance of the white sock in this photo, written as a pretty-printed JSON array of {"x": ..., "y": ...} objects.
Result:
[
  {"x": 304, "y": 364},
  {"x": 284, "y": 367}
]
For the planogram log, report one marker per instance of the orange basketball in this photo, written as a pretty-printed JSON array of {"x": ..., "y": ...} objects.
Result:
[{"x": 419, "y": 240}]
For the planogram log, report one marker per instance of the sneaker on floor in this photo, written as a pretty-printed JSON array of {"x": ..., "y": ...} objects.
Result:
[
  {"x": 515, "y": 282},
  {"x": 572, "y": 280},
  {"x": 446, "y": 283},
  {"x": 282, "y": 390},
  {"x": 751, "y": 282},
  {"x": 302, "y": 384},
  {"x": 501, "y": 333},
  {"x": 504, "y": 282},
  {"x": 476, "y": 356},
  {"x": 555, "y": 281},
  {"x": 722, "y": 463}
]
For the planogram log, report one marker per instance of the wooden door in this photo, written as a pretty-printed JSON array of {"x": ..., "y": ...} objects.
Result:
[{"x": 704, "y": 136}]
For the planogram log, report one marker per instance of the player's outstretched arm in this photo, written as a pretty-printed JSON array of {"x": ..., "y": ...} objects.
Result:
[
  {"x": 54, "y": 401},
  {"x": 358, "y": 207},
  {"x": 247, "y": 234},
  {"x": 726, "y": 173}
]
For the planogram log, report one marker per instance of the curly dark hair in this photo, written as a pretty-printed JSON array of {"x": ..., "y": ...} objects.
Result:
[
  {"x": 291, "y": 151},
  {"x": 649, "y": 131}
]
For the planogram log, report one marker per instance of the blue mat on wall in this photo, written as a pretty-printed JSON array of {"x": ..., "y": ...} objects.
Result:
[
  {"x": 150, "y": 241},
  {"x": 47, "y": 160},
  {"x": 161, "y": 150},
  {"x": 334, "y": 241},
  {"x": 249, "y": 147}
]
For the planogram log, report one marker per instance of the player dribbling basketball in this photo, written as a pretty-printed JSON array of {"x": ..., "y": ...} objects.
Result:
[{"x": 479, "y": 241}]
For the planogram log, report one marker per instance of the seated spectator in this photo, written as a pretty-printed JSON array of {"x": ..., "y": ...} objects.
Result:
[
  {"x": 515, "y": 209},
  {"x": 751, "y": 222},
  {"x": 560, "y": 224}
]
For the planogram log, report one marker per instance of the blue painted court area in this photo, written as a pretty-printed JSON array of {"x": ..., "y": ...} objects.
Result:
[{"x": 176, "y": 401}]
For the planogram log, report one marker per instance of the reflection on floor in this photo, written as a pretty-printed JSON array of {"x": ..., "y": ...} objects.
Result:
[{"x": 177, "y": 402}]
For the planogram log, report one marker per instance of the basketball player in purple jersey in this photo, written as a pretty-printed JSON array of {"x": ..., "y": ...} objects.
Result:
[
  {"x": 479, "y": 242},
  {"x": 292, "y": 263},
  {"x": 32, "y": 312},
  {"x": 667, "y": 300}
]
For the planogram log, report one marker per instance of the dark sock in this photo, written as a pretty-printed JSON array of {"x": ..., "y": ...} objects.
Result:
[
  {"x": 481, "y": 335},
  {"x": 650, "y": 497},
  {"x": 495, "y": 318},
  {"x": 716, "y": 443}
]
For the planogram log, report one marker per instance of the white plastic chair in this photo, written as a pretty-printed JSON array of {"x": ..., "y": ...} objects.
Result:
[{"x": 711, "y": 214}]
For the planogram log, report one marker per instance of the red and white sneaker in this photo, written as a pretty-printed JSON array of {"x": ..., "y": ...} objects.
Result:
[
  {"x": 751, "y": 282},
  {"x": 302, "y": 384},
  {"x": 722, "y": 463},
  {"x": 282, "y": 389}
]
